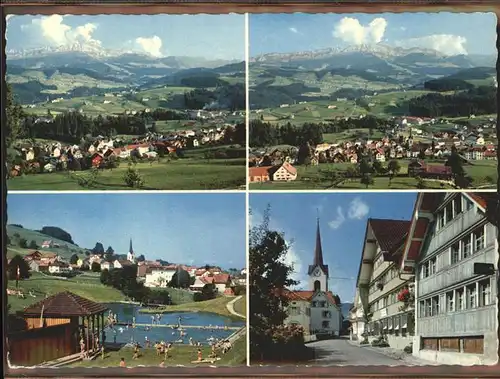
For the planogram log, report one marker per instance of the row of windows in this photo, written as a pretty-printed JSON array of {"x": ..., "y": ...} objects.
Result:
[
  {"x": 462, "y": 249},
  {"x": 319, "y": 304},
  {"x": 391, "y": 298},
  {"x": 396, "y": 325},
  {"x": 452, "y": 210},
  {"x": 472, "y": 296},
  {"x": 296, "y": 311},
  {"x": 468, "y": 345},
  {"x": 384, "y": 279}
]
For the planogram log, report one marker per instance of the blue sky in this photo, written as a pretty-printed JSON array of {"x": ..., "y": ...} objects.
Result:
[
  {"x": 181, "y": 228},
  {"x": 343, "y": 218},
  {"x": 208, "y": 36},
  {"x": 450, "y": 33}
]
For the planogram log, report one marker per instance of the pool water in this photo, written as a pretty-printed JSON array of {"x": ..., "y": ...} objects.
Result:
[{"x": 140, "y": 334}]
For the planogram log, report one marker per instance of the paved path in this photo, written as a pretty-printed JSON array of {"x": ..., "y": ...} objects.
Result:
[
  {"x": 230, "y": 307},
  {"x": 342, "y": 352}
]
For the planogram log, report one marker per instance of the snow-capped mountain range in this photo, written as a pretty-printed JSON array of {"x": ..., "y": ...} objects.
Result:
[{"x": 379, "y": 50}]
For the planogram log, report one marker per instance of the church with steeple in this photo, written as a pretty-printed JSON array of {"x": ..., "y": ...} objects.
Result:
[
  {"x": 130, "y": 254},
  {"x": 315, "y": 308}
]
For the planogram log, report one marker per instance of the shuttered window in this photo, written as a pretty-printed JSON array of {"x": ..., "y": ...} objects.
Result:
[
  {"x": 430, "y": 343},
  {"x": 473, "y": 345},
  {"x": 449, "y": 344}
]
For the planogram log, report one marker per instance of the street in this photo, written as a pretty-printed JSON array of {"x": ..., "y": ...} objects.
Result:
[{"x": 342, "y": 352}]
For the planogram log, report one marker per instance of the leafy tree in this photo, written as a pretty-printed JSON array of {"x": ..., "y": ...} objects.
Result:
[
  {"x": 23, "y": 243},
  {"x": 95, "y": 267},
  {"x": 33, "y": 245},
  {"x": 394, "y": 167},
  {"x": 74, "y": 259},
  {"x": 15, "y": 118},
  {"x": 337, "y": 300},
  {"x": 132, "y": 178},
  {"x": 109, "y": 254},
  {"x": 455, "y": 161},
  {"x": 367, "y": 180},
  {"x": 269, "y": 278},
  {"x": 24, "y": 268},
  {"x": 105, "y": 277},
  {"x": 98, "y": 249},
  {"x": 58, "y": 233},
  {"x": 180, "y": 279},
  {"x": 420, "y": 183},
  {"x": 141, "y": 258},
  {"x": 377, "y": 167}
]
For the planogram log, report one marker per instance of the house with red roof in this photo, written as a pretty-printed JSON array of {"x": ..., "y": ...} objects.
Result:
[
  {"x": 315, "y": 308},
  {"x": 456, "y": 315},
  {"x": 283, "y": 173}
]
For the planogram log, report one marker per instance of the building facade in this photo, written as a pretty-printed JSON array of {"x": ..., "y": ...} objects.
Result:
[
  {"x": 456, "y": 318},
  {"x": 357, "y": 319},
  {"x": 379, "y": 283},
  {"x": 316, "y": 309}
]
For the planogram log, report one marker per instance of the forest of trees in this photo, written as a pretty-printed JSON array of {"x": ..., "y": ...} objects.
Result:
[
  {"x": 58, "y": 233},
  {"x": 266, "y": 134},
  {"x": 475, "y": 101}
]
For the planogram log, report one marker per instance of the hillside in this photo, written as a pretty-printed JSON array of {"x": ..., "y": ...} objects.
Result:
[
  {"x": 38, "y": 77},
  {"x": 15, "y": 233},
  {"x": 327, "y": 74},
  {"x": 345, "y": 310}
]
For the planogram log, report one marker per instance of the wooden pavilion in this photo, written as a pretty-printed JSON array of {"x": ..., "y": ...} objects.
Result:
[{"x": 63, "y": 324}]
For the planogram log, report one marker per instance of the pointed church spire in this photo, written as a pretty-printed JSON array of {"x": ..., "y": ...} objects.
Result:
[
  {"x": 130, "y": 250},
  {"x": 318, "y": 251}
]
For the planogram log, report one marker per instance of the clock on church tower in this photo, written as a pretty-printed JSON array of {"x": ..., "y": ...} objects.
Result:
[{"x": 318, "y": 271}]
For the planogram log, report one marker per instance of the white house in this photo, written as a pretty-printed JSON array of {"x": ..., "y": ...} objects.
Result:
[
  {"x": 285, "y": 172},
  {"x": 357, "y": 318},
  {"x": 59, "y": 268},
  {"x": 322, "y": 315},
  {"x": 107, "y": 266},
  {"x": 159, "y": 276}
]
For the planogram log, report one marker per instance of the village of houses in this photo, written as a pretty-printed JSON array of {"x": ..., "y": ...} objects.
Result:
[
  {"x": 407, "y": 141},
  {"x": 151, "y": 273},
  {"x": 433, "y": 302},
  {"x": 96, "y": 151}
]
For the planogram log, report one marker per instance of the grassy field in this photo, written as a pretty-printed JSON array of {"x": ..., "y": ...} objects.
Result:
[
  {"x": 217, "y": 305},
  {"x": 178, "y": 295},
  {"x": 383, "y": 105},
  {"x": 66, "y": 249},
  {"x": 181, "y": 174},
  {"x": 87, "y": 286},
  {"x": 179, "y": 355},
  {"x": 240, "y": 306},
  {"x": 311, "y": 178},
  {"x": 350, "y": 135}
]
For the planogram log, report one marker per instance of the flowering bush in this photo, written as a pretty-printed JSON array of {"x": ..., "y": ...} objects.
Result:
[
  {"x": 403, "y": 295},
  {"x": 406, "y": 297}
]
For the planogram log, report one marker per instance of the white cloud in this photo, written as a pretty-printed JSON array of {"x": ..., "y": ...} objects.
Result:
[
  {"x": 338, "y": 220},
  {"x": 151, "y": 45},
  {"x": 293, "y": 30},
  {"x": 447, "y": 44},
  {"x": 351, "y": 31},
  {"x": 358, "y": 209},
  {"x": 403, "y": 28},
  {"x": 55, "y": 32}
]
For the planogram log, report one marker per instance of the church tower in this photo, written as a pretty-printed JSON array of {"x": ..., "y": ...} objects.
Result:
[
  {"x": 130, "y": 254},
  {"x": 318, "y": 271}
]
